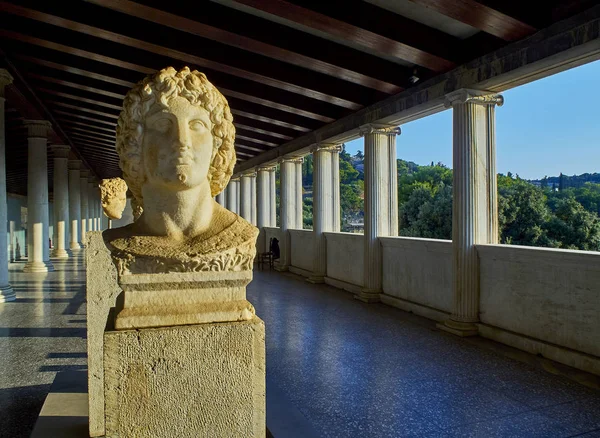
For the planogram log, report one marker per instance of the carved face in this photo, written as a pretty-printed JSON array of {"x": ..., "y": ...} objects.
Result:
[
  {"x": 177, "y": 145},
  {"x": 113, "y": 207}
]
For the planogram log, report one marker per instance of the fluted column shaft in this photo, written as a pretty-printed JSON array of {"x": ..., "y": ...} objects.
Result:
[
  {"x": 474, "y": 207},
  {"x": 6, "y": 290},
  {"x": 299, "y": 202},
  {"x": 323, "y": 207},
  {"x": 246, "y": 197},
  {"x": 74, "y": 204},
  {"x": 253, "y": 206},
  {"x": 233, "y": 195},
  {"x": 222, "y": 198},
  {"x": 38, "y": 223},
  {"x": 377, "y": 205},
  {"x": 287, "y": 207},
  {"x": 263, "y": 205},
  {"x": 61, "y": 200},
  {"x": 393, "y": 197},
  {"x": 91, "y": 226},
  {"x": 273, "y": 196},
  {"x": 83, "y": 192},
  {"x": 337, "y": 206}
]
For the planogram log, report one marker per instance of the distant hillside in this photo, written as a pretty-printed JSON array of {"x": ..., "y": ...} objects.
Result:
[{"x": 565, "y": 181}]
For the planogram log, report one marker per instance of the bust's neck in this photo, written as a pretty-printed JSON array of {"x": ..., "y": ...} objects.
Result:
[{"x": 179, "y": 215}]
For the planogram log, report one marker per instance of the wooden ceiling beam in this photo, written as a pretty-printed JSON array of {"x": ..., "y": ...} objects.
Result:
[
  {"x": 83, "y": 109},
  {"x": 140, "y": 69},
  {"x": 180, "y": 23},
  {"x": 346, "y": 31},
  {"x": 80, "y": 99},
  {"x": 481, "y": 17},
  {"x": 74, "y": 130},
  {"x": 174, "y": 54},
  {"x": 80, "y": 116},
  {"x": 255, "y": 140},
  {"x": 87, "y": 125}
]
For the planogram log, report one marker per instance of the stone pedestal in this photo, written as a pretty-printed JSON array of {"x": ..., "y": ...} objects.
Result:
[
  {"x": 474, "y": 207},
  {"x": 204, "y": 380}
]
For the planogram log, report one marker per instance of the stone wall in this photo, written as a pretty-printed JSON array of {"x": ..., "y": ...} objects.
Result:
[
  {"x": 418, "y": 271},
  {"x": 345, "y": 257},
  {"x": 302, "y": 249},
  {"x": 548, "y": 294}
]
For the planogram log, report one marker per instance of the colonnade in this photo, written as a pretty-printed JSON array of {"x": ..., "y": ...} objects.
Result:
[
  {"x": 76, "y": 200},
  {"x": 475, "y": 210}
]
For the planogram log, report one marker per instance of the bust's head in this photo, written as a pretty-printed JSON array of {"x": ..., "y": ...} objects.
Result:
[
  {"x": 113, "y": 193},
  {"x": 175, "y": 132}
]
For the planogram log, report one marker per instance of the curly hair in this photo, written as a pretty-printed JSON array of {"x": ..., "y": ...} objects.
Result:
[
  {"x": 111, "y": 188},
  {"x": 159, "y": 88}
]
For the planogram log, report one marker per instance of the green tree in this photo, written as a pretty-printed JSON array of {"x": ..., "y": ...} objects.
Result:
[
  {"x": 573, "y": 227},
  {"x": 427, "y": 212}
]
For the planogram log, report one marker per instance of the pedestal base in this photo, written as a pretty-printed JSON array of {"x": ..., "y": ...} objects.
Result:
[
  {"x": 463, "y": 329},
  {"x": 281, "y": 268},
  {"x": 74, "y": 246},
  {"x": 38, "y": 267},
  {"x": 205, "y": 380},
  {"x": 368, "y": 296},
  {"x": 6, "y": 293}
]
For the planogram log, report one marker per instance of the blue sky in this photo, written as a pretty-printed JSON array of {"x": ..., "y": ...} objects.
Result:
[{"x": 545, "y": 127}]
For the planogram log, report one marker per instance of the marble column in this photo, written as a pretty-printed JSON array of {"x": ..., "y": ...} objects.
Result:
[
  {"x": 222, "y": 198},
  {"x": 323, "y": 207},
  {"x": 61, "y": 200},
  {"x": 299, "y": 202},
  {"x": 287, "y": 209},
  {"x": 232, "y": 195},
  {"x": 74, "y": 204},
  {"x": 246, "y": 196},
  {"x": 253, "y": 199},
  {"x": 377, "y": 205},
  {"x": 83, "y": 193},
  {"x": 38, "y": 223},
  {"x": 474, "y": 206},
  {"x": 337, "y": 206},
  {"x": 393, "y": 196},
  {"x": 273, "y": 196},
  {"x": 263, "y": 205},
  {"x": 6, "y": 290},
  {"x": 92, "y": 204}
]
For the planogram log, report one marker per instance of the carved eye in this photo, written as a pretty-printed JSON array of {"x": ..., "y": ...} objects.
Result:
[
  {"x": 197, "y": 125},
  {"x": 162, "y": 125}
]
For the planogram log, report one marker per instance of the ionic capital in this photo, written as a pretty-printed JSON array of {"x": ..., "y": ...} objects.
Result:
[
  {"x": 235, "y": 179},
  {"x": 5, "y": 79},
  {"x": 292, "y": 160},
  {"x": 250, "y": 174},
  {"x": 37, "y": 128},
  {"x": 266, "y": 169},
  {"x": 329, "y": 147},
  {"x": 479, "y": 97},
  {"x": 74, "y": 164},
  {"x": 376, "y": 128},
  {"x": 60, "y": 150}
]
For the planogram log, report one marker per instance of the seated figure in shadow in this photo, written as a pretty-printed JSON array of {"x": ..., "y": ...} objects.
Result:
[{"x": 175, "y": 140}]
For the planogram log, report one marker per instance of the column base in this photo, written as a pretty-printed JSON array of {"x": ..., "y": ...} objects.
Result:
[
  {"x": 38, "y": 267},
  {"x": 316, "y": 279},
  {"x": 59, "y": 254},
  {"x": 368, "y": 296},
  {"x": 458, "y": 328},
  {"x": 281, "y": 268},
  {"x": 7, "y": 293}
]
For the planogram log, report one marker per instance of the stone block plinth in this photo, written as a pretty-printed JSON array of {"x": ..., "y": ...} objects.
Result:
[{"x": 204, "y": 380}]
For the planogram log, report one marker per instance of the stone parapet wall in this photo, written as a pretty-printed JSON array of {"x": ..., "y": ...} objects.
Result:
[{"x": 345, "y": 257}]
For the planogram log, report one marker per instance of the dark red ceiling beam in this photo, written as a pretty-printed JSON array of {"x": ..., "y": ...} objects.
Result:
[
  {"x": 167, "y": 19},
  {"x": 340, "y": 29},
  {"x": 172, "y": 53},
  {"x": 481, "y": 17}
]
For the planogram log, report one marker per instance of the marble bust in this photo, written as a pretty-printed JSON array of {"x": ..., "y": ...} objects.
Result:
[
  {"x": 175, "y": 140},
  {"x": 113, "y": 193}
]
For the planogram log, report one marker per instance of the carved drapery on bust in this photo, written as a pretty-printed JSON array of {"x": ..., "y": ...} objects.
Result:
[{"x": 175, "y": 140}]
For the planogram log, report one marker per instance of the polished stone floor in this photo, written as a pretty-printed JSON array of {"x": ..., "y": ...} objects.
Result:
[{"x": 336, "y": 367}]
